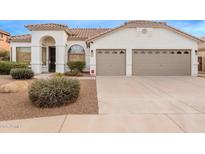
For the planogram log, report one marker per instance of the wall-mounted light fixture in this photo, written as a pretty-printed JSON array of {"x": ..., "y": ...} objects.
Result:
[
  {"x": 92, "y": 71},
  {"x": 91, "y": 53}
]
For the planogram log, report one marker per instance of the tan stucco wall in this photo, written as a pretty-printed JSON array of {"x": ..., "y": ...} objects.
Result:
[
  {"x": 202, "y": 54},
  {"x": 4, "y": 45}
]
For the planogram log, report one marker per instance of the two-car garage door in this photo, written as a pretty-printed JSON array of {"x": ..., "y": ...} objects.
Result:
[
  {"x": 161, "y": 62},
  {"x": 145, "y": 62}
]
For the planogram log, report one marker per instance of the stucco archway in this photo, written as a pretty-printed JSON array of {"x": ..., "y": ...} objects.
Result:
[
  {"x": 48, "y": 50},
  {"x": 47, "y": 41}
]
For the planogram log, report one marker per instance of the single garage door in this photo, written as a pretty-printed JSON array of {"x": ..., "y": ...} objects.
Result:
[
  {"x": 161, "y": 62},
  {"x": 110, "y": 62}
]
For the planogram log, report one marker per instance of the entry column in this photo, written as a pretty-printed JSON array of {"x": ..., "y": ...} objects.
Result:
[
  {"x": 60, "y": 59},
  {"x": 36, "y": 62}
]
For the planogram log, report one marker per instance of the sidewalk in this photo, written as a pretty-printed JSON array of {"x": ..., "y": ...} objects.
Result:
[{"x": 142, "y": 123}]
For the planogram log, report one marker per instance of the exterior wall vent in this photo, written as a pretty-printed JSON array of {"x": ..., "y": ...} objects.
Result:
[
  {"x": 147, "y": 32},
  {"x": 144, "y": 31}
]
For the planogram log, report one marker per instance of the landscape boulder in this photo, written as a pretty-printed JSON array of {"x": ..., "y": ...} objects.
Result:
[{"x": 14, "y": 87}]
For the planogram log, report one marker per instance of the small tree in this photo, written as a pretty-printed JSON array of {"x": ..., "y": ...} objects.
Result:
[
  {"x": 76, "y": 66},
  {"x": 4, "y": 55}
]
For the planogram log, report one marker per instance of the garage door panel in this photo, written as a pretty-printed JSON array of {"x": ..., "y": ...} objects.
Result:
[
  {"x": 110, "y": 62},
  {"x": 161, "y": 62}
]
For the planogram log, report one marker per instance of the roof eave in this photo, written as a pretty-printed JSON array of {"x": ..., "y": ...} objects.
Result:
[
  {"x": 156, "y": 26},
  {"x": 198, "y": 40},
  {"x": 66, "y": 29},
  {"x": 20, "y": 41},
  {"x": 6, "y": 33}
]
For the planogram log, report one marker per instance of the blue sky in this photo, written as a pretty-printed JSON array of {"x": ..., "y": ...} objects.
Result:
[{"x": 16, "y": 27}]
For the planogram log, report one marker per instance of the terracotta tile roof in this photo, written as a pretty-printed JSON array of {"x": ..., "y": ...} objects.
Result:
[
  {"x": 77, "y": 34},
  {"x": 145, "y": 23},
  {"x": 48, "y": 26},
  {"x": 21, "y": 38},
  {"x": 89, "y": 34},
  {"x": 4, "y": 32},
  {"x": 85, "y": 33}
]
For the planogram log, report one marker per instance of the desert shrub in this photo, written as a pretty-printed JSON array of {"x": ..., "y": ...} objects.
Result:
[
  {"x": 76, "y": 66},
  {"x": 5, "y": 67},
  {"x": 54, "y": 92},
  {"x": 21, "y": 73}
]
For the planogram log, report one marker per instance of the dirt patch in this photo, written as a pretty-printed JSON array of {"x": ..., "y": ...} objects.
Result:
[{"x": 18, "y": 106}]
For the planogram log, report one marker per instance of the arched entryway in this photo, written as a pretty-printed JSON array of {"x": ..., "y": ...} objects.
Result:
[{"x": 48, "y": 53}]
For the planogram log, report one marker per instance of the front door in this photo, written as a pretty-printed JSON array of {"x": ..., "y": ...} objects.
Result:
[
  {"x": 52, "y": 59},
  {"x": 200, "y": 64}
]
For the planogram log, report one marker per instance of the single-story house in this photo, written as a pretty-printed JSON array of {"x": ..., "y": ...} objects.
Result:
[{"x": 146, "y": 48}]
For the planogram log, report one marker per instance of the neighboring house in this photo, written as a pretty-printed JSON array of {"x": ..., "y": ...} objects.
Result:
[
  {"x": 4, "y": 41},
  {"x": 134, "y": 48},
  {"x": 201, "y": 56}
]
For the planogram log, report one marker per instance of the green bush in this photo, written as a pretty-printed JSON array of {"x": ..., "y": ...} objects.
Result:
[
  {"x": 59, "y": 74},
  {"x": 74, "y": 73},
  {"x": 76, "y": 66},
  {"x": 54, "y": 92},
  {"x": 4, "y": 55},
  {"x": 5, "y": 67},
  {"x": 21, "y": 73}
]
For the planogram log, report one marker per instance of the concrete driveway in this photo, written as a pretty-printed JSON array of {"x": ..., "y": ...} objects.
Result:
[{"x": 180, "y": 100}]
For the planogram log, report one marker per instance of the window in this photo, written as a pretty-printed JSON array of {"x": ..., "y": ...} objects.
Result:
[
  {"x": 76, "y": 53},
  {"x": 76, "y": 49},
  {"x": 122, "y": 52},
  {"x": 7, "y": 39},
  {"x": 43, "y": 55},
  {"x": 23, "y": 54},
  {"x": 172, "y": 52},
  {"x": 179, "y": 52},
  {"x": 186, "y": 52}
]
